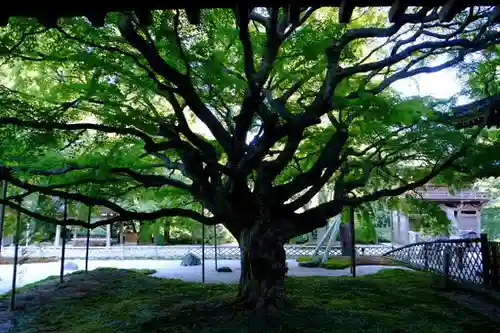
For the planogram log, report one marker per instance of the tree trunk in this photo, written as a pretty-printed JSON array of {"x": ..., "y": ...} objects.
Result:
[{"x": 263, "y": 267}]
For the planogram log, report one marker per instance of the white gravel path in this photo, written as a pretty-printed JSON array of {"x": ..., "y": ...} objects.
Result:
[{"x": 29, "y": 273}]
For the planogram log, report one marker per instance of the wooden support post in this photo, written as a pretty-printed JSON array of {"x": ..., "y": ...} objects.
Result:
[
  {"x": 346, "y": 8},
  {"x": 16, "y": 260},
  {"x": 485, "y": 254},
  {"x": 87, "y": 243},
  {"x": 353, "y": 241},
  {"x": 2, "y": 213},
  {"x": 323, "y": 240},
  {"x": 397, "y": 11},
  {"x": 331, "y": 235}
]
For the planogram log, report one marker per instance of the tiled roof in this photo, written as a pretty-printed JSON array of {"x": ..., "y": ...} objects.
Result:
[{"x": 48, "y": 12}]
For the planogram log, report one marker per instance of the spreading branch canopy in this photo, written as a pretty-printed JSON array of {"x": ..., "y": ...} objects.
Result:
[{"x": 252, "y": 110}]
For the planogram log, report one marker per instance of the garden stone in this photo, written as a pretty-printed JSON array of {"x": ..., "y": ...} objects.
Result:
[
  {"x": 70, "y": 266},
  {"x": 224, "y": 269},
  {"x": 190, "y": 260}
]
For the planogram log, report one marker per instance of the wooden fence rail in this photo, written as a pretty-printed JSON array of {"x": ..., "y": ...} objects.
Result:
[{"x": 463, "y": 260}]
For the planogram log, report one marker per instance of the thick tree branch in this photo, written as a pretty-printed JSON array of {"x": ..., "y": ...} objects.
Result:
[
  {"x": 146, "y": 180},
  {"x": 183, "y": 83},
  {"x": 179, "y": 43},
  {"x": 148, "y": 141},
  {"x": 129, "y": 216},
  {"x": 330, "y": 157},
  {"x": 330, "y": 208},
  {"x": 242, "y": 19}
]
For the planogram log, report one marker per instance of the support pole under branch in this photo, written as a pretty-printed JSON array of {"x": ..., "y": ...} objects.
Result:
[
  {"x": 353, "y": 242},
  {"x": 202, "y": 247},
  {"x": 215, "y": 246},
  {"x": 2, "y": 213},
  {"x": 87, "y": 244},
  {"x": 16, "y": 259},
  {"x": 63, "y": 236}
]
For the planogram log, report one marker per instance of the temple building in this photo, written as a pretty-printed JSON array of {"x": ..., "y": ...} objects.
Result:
[
  {"x": 99, "y": 236},
  {"x": 463, "y": 209}
]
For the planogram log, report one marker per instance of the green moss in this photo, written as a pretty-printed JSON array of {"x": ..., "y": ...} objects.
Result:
[
  {"x": 339, "y": 262},
  {"x": 112, "y": 301},
  {"x": 331, "y": 263},
  {"x": 303, "y": 259},
  {"x": 336, "y": 263},
  {"x": 55, "y": 279}
]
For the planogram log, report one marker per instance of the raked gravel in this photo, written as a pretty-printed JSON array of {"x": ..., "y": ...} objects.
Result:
[{"x": 29, "y": 273}]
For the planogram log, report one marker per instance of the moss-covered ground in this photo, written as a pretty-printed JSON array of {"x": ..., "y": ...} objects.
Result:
[{"x": 115, "y": 300}]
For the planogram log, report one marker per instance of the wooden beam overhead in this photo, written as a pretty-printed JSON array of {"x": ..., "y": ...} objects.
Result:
[
  {"x": 49, "y": 10},
  {"x": 450, "y": 9},
  {"x": 494, "y": 17},
  {"x": 97, "y": 18},
  {"x": 346, "y": 8},
  {"x": 397, "y": 10},
  {"x": 48, "y": 21},
  {"x": 145, "y": 17},
  {"x": 193, "y": 15}
]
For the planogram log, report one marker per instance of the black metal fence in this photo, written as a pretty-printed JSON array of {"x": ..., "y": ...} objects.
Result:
[{"x": 464, "y": 260}]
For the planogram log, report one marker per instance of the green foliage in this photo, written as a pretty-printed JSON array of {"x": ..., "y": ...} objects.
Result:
[
  {"x": 431, "y": 219},
  {"x": 122, "y": 301},
  {"x": 490, "y": 222},
  {"x": 79, "y": 73}
]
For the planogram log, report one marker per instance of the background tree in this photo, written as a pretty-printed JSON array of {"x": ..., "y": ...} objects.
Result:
[{"x": 250, "y": 113}]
